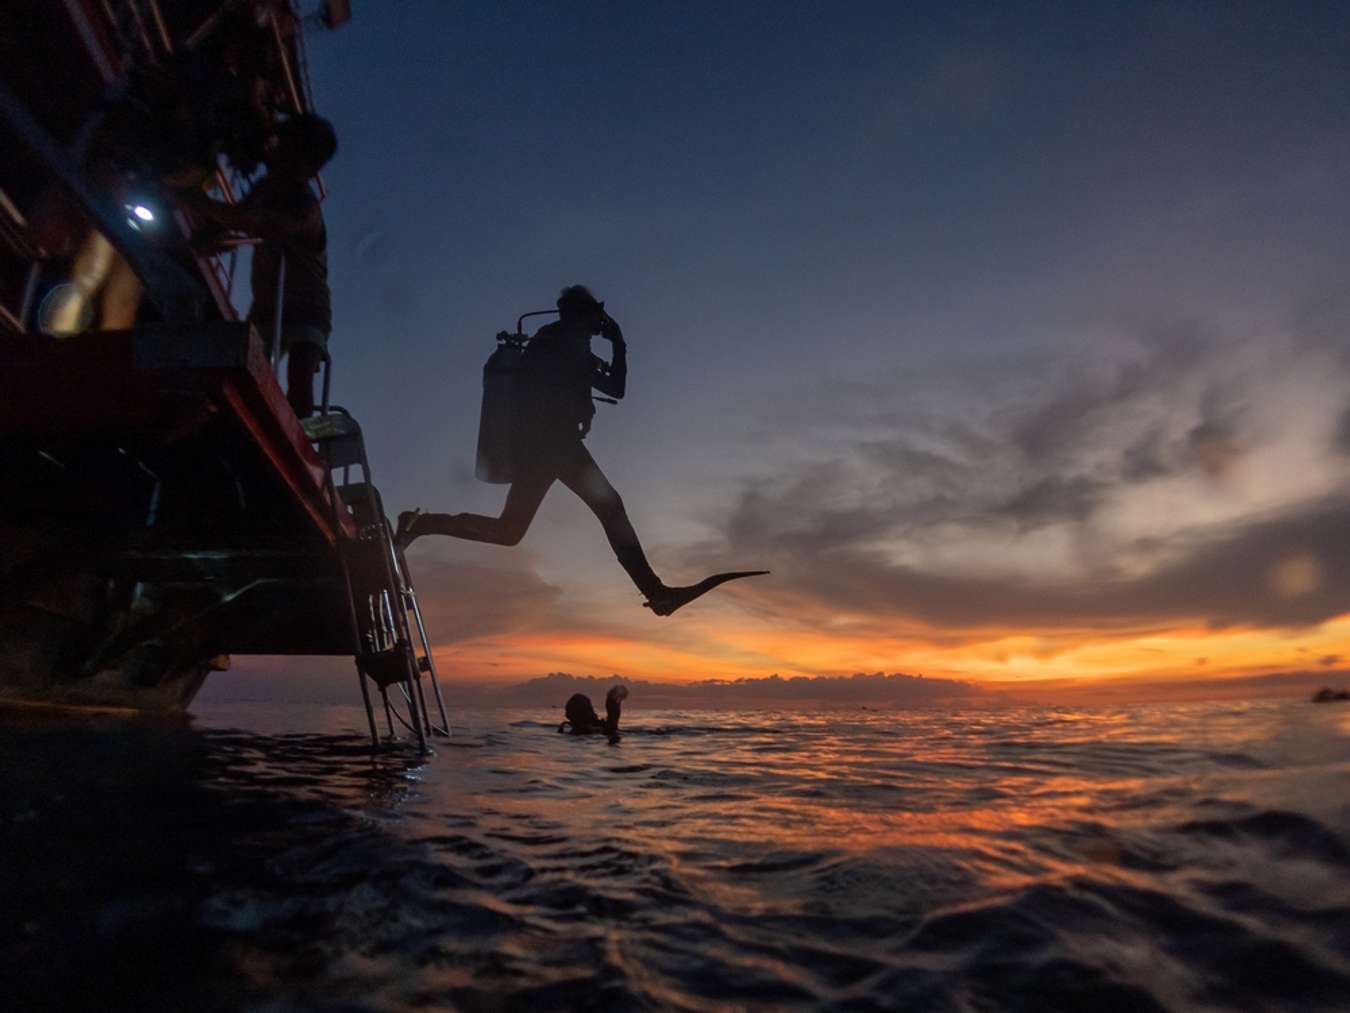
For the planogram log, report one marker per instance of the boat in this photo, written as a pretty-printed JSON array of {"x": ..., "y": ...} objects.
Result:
[{"x": 163, "y": 507}]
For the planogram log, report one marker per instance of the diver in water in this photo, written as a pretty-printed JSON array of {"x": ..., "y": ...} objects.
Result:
[
  {"x": 581, "y": 718},
  {"x": 558, "y": 372}
]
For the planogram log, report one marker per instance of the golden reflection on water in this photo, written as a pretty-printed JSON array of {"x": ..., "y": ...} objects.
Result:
[
  {"x": 708, "y": 859},
  {"x": 970, "y": 783}
]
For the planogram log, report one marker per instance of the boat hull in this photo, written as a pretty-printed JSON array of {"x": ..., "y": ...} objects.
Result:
[{"x": 162, "y": 509}]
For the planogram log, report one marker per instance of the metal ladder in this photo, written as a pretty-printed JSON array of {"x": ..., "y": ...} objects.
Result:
[{"x": 383, "y": 603}]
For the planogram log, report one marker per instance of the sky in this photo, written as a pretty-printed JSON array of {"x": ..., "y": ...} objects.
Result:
[{"x": 1011, "y": 337}]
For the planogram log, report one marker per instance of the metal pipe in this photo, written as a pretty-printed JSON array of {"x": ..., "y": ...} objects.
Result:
[
  {"x": 34, "y": 268},
  {"x": 115, "y": 27},
  {"x": 204, "y": 29},
  {"x": 356, "y": 639},
  {"x": 278, "y": 311},
  {"x": 159, "y": 24},
  {"x": 19, "y": 321},
  {"x": 403, "y": 643},
  {"x": 223, "y": 184},
  {"x": 431, "y": 663},
  {"x": 421, "y": 693},
  {"x": 80, "y": 18},
  {"x": 229, "y": 267},
  {"x": 140, "y": 27},
  {"x": 536, "y": 313},
  {"x": 286, "y": 63},
  {"x": 14, "y": 213},
  {"x": 399, "y": 717},
  {"x": 291, "y": 86},
  {"x": 15, "y": 322},
  {"x": 151, "y": 516},
  {"x": 410, "y": 691},
  {"x": 327, "y": 382}
]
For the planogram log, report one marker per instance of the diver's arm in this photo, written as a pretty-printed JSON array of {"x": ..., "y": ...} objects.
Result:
[
  {"x": 611, "y": 377},
  {"x": 261, "y": 219}
]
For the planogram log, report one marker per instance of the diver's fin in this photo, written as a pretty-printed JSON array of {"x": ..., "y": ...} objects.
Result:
[{"x": 677, "y": 597}]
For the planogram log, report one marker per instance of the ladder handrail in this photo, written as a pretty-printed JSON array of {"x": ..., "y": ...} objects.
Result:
[{"x": 389, "y": 600}]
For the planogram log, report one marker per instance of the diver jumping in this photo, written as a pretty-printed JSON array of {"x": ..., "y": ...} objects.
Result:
[{"x": 551, "y": 418}]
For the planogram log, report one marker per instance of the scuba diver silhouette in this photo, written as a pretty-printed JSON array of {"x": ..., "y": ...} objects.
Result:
[{"x": 551, "y": 416}]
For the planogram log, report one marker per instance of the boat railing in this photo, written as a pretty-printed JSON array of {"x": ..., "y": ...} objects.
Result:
[{"x": 14, "y": 235}]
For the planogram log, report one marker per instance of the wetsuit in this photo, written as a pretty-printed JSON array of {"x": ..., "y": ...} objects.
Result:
[
  {"x": 308, "y": 315},
  {"x": 558, "y": 373}
]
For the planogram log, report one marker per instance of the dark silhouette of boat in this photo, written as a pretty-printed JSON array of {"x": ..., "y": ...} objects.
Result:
[{"x": 163, "y": 507}]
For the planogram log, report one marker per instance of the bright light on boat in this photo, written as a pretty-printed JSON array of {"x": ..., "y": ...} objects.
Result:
[{"x": 143, "y": 213}]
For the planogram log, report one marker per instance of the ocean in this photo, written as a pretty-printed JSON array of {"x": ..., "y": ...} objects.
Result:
[{"x": 1181, "y": 857}]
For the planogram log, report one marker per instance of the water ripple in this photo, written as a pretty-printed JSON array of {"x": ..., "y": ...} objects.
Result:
[{"x": 1046, "y": 859}]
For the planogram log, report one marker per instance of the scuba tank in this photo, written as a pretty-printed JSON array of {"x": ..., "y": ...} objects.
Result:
[
  {"x": 501, "y": 407},
  {"x": 503, "y": 396},
  {"x": 505, "y": 404}
]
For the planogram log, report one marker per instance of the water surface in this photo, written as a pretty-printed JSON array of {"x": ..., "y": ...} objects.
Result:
[{"x": 1180, "y": 857}]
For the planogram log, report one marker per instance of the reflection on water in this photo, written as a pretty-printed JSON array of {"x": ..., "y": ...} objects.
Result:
[{"x": 1144, "y": 858}]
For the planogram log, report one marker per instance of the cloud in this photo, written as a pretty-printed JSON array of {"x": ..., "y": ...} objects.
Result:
[
  {"x": 371, "y": 244},
  {"x": 1146, "y": 458},
  {"x": 1177, "y": 478},
  {"x": 1230, "y": 578},
  {"x": 1011, "y": 450},
  {"x": 1118, "y": 691},
  {"x": 1343, "y": 432},
  {"x": 460, "y": 600},
  {"x": 1052, "y": 498},
  {"x": 1081, "y": 397},
  {"x": 879, "y": 688}
]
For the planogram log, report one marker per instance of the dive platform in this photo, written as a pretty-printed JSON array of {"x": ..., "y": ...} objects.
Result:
[{"x": 164, "y": 508}]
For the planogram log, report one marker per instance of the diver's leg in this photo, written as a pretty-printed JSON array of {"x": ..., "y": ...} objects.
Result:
[
  {"x": 522, "y": 503},
  {"x": 583, "y": 476},
  {"x": 302, "y": 363}
]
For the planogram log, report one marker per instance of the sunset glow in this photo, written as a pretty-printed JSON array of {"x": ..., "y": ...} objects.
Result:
[
  {"x": 999, "y": 659},
  {"x": 1019, "y": 357}
]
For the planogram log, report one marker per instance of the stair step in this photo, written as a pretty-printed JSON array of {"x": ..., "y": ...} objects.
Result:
[{"x": 321, "y": 428}]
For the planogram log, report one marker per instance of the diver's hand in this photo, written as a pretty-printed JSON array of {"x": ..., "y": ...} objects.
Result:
[{"x": 611, "y": 331}]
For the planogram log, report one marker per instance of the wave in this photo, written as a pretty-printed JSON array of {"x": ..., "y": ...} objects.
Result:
[{"x": 1022, "y": 860}]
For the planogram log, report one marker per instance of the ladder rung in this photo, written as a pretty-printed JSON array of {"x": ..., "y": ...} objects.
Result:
[
  {"x": 343, "y": 453},
  {"x": 334, "y": 426}
]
